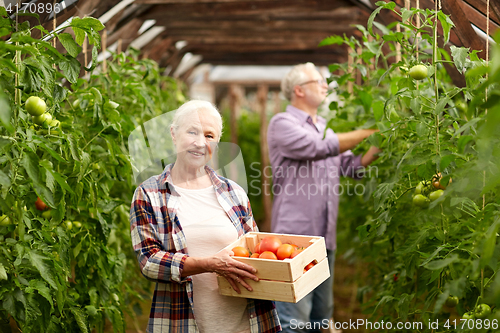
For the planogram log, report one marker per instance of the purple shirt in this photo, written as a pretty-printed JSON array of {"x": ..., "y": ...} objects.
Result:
[{"x": 306, "y": 173}]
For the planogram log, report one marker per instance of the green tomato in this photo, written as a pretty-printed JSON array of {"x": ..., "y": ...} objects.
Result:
[
  {"x": 5, "y": 220},
  {"x": 418, "y": 72},
  {"x": 111, "y": 104},
  {"x": 43, "y": 120},
  {"x": 77, "y": 224},
  {"x": 420, "y": 201},
  {"x": 461, "y": 106},
  {"x": 469, "y": 315},
  {"x": 47, "y": 214},
  {"x": 54, "y": 123},
  {"x": 68, "y": 225},
  {"x": 35, "y": 106},
  {"x": 420, "y": 187},
  {"x": 482, "y": 311},
  {"x": 435, "y": 195},
  {"x": 76, "y": 104},
  {"x": 451, "y": 301}
]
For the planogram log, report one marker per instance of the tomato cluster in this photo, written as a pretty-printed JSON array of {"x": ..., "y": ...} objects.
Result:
[
  {"x": 481, "y": 311},
  {"x": 36, "y": 107},
  {"x": 271, "y": 248},
  {"x": 428, "y": 191}
]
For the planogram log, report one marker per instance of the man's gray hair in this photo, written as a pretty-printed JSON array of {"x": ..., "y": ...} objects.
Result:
[
  {"x": 194, "y": 106},
  {"x": 297, "y": 75}
]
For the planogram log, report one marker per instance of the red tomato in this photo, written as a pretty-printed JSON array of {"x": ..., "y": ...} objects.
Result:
[
  {"x": 240, "y": 251},
  {"x": 284, "y": 251},
  {"x": 270, "y": 243},
  {"x": 309, "y": 266},
  {"x": 257, "y": 248},
  {"x": 40, "y": 205},
  {"x": 268, "y": 255},
  {"x": 296, "y": 252}
]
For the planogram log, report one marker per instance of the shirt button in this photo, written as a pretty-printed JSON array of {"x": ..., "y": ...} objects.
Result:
[
  {"x": 252, "y": 315},
  {"x": 329, "y": 203}
]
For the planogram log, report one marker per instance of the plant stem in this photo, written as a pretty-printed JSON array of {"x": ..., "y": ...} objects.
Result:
[{"x": 434, "y": 60}]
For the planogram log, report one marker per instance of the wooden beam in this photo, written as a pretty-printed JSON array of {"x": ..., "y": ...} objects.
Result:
[
  {"x": 126, "y": 33},
  {"x": 265, "y": 10},
  {"x": 464, "y": 31},
  {"x": 165, "y": 2},
  {"x": 477, "y": 18},
  {"x": 480, "y": 5},
  {"x": 330, "y": 25}
]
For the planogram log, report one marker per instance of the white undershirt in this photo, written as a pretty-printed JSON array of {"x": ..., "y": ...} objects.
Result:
[{"x": 208, "y": 230}]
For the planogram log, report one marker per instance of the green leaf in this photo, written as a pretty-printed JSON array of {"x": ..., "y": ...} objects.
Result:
[
  {"x": 81, "y": 319},
  {"x": 441, "y": 263},
  {"x": 87, "y": 23},
  {"x": 69, "y": 44},
  {"x": 332, "y": 40},
  {"x": 79, "y": 34},
  {"x": 441, "y": 105},
  {"x": 94, "y": 60},
  {"x": 71, "y": 68},
  {"x": 37, "y": 260},
  {"x": 445, "y": 161},
  {"x": 42, "y": 289},
  {"x": 447, "y": 24},
  {"x": 4, "y": 179},
  {"x": 3, "y": 272},
  {"x": 382, "y": 5},
  {"x": 489, "y": 244},
  {"x": 5, "y": 113},
  {"x": 462, "y": 142},
  {"x": 378, "y": 110},
  {"x": 459, "y": 55},
  {"x": 61, "y": 179},
  {"x": 405, "y": 14}
]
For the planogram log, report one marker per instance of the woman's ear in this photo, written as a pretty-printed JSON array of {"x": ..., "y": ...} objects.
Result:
[{"x": 172, "y": 134}]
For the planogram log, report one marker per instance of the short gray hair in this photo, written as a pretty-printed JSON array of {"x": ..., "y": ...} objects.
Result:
[
  {"x": 194, "y": 106},
  {"x": 296, "y": 76}
]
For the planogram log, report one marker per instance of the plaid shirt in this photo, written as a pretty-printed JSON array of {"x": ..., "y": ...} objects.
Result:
[{"x": 160, "y": 245}]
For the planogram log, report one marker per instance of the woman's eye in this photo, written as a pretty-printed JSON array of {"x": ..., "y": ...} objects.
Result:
[
  {"x": 210, "y": 136},
  {"x": 191, "y": 132}
]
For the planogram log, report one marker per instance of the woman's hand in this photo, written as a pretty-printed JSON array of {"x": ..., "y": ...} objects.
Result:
[{"x": 234, "y": 271}]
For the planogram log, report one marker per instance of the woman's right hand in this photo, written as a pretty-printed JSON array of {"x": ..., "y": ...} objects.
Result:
[{"x": 233, "y": 270}]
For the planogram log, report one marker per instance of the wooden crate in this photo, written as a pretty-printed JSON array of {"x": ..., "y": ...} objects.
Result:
[{"x": 281, "y": 280}]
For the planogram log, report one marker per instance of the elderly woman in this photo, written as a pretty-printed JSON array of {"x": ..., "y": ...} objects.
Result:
[{"x": 180, "y": 222}]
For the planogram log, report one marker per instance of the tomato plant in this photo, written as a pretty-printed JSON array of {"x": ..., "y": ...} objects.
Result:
[
  {"x": 447, "y": 246},
  {"x": 57, "y": 274}
]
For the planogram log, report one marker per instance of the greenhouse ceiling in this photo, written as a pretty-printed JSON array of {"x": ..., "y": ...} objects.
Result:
[{"x": 262, "y": 32}]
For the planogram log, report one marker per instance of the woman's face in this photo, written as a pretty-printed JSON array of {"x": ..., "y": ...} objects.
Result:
[{"x": 195, "y": 138}]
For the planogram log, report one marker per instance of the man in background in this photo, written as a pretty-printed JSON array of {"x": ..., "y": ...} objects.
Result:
[{"x": 306, "y": 174}]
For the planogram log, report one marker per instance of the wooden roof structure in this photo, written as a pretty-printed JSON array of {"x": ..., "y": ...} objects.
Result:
[{"x": 258, "y": 32}]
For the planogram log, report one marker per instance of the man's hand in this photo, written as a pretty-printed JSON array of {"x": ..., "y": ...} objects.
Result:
[{"x": 350, "y": 140}]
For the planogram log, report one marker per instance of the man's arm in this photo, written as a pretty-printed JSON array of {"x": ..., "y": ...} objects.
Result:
[
  {"x": 370, "y": 156},
  {"x": 350, "y": 140}
]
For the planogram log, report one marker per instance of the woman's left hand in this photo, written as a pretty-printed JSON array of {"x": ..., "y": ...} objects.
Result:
[{"x": 233, "y": 270}]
